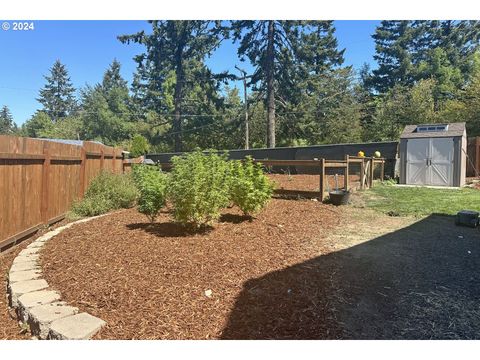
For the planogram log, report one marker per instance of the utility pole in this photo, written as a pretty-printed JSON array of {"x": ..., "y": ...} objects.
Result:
[{"x": 245, "y": 102}]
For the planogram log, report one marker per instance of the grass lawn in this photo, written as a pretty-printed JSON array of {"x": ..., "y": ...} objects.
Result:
[{"x": 419, "y": 201}]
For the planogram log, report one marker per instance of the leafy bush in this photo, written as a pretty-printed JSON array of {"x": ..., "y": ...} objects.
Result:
[
  {"x": 199, "y": 187},
  {"x": 139, "y": 145},
  {"x": 106, "y": 192},
  {"x": 151, "y": 183},
  {"x": 250, "y": 188}
]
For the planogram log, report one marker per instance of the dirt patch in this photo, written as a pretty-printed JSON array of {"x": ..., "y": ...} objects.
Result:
[
  {"x": 310, "y": 182},
  {"x": 405, "y": 278},
  {"x": 151, "y": 281},
  {"x": 9, "y": 327}
]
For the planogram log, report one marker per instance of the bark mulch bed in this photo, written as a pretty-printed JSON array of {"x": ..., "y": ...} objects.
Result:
[
  {"x": 9, "y": 327},
  {"x": 159, "y": 281}
]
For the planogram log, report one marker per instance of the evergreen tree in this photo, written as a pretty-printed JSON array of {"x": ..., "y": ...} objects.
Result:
[
  {"x": 106, "y": 108},
  {"x": 284, "y": 52},
  {"x": 57, "y": 96},
  {"x": 7, "y": 126},
  {"x": 112, "y": 78},
  {"x": 179, "y": 47},
  {"x": 393, "y": 42}
]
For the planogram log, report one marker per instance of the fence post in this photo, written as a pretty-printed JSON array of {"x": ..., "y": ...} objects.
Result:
[
  {"x": 382, "y": 170},
  {"x": 45, "y": 182},
  {"x": 477, "y": 155},
  {"x": 372, "y": 168},
  {"x": 362, "y": 174},
  {"x": 322, "y": 179},
  {"x": 83, "y": 164},
  {"x": 345, "y": 175},
  {"x": 102, "y": 158},
  {"x": 113, "y": 160}
]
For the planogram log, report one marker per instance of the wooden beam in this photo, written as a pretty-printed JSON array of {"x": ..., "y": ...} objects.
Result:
[
  {"x": 45, "y": 183},
  {"x": 322, "y": 180},
  {"x": 10, "y": 156},
  {"x": 362, "y": 175},
  {"x": 267, "y": 162},
  {"x": 345, "y": 176},
  {"x": 372, "y": 169},
  {"x": 13, "y": 239},
  {"x": 83, "y": 156}
]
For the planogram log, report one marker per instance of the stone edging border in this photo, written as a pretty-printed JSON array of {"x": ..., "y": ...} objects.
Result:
[{"x": 40, "y": 307}]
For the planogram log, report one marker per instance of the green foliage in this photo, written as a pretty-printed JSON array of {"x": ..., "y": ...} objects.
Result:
[
  {"x": 106, "y": 192},
  {"x": 250, "y": 188},
  {"x": 57, "y": 96},
  {"x": 199, "y": 187},
  {"x": 139, "y": 145},
  {"x": 7, "y": 126},
  {"x": 151, "y": 184}
]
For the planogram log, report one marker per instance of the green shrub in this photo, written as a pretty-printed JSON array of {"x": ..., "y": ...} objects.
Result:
[
  {"x": 151, "y": 183},
  {"x": 198, "y": 187},
  {"x": 139, "y": 145},
  {"x": 106, "y": 192},
  {"x": 250, "y": 188}
]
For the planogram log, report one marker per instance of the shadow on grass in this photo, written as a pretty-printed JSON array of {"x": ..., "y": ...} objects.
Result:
[{"x": 419, "y": 282}]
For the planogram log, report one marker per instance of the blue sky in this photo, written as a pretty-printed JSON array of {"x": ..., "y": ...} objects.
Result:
[{"x": 88, "y": 47}]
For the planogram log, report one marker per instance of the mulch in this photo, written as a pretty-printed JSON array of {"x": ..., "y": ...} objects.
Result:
[
  {"x": 239, "y": 280},
  {"x": 9, "y": 327}
]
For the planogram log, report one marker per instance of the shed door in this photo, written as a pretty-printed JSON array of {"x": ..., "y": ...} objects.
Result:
[
  {"x": 430, "y": 161},
  {"x": 441, "y": 161},
  {"x": 417, "y": 156}
]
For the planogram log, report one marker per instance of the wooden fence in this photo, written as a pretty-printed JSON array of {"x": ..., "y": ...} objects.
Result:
[{"x": 39, "y": 180}]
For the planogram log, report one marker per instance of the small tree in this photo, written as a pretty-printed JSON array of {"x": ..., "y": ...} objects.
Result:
[
  {"x": 198, "y": 187},
  {"x": 139, "y": 145},
  {"x": 151, "y": 184},
  {"x": 250, "y": 188}
]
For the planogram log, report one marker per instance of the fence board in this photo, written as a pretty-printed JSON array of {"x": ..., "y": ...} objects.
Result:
[{"x": 39, "y": 180}]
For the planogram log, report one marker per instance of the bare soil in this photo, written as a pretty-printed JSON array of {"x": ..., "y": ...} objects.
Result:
[{"x": 310, "y": 182}]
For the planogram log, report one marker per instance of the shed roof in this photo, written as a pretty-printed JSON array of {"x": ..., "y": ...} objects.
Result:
[{"x": 453, "y": 130}]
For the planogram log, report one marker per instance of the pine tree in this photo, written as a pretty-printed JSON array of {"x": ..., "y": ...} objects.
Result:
[
  {"x": 393, "y": 42},
  {"x": 284, "y": 53},
  {"x": 57, "y": 96},
  {"x": 179, "y": 47},
  {"x": 112, "y": 77},
  {"x": 7, "y": 126}
]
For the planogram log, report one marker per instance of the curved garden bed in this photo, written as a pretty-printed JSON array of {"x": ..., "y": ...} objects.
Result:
[{"x": 160, "y": 281}]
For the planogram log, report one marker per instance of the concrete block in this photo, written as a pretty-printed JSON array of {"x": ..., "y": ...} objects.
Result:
[
  {"x": 35, "y": 298},
  {"x": 28, "y": 251},
  {"x": 24, "y": 275},
  {"x": 26, "y": 258},
  {"x": 77, "y": 327},
  {"x": 24, "y": 266},
  {"x": 40, "y": 317},
  {"x": 15, "y": 290},
  {"x": 36, "y": 244}
]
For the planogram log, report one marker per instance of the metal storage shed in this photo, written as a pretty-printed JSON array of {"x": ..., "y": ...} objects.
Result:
[{"x": 433, "y": 154}]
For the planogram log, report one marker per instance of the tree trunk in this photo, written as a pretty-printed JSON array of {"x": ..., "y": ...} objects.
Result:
[
  {"x": 177, "y": 122},
  {"x": 270, "y": 86}
]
